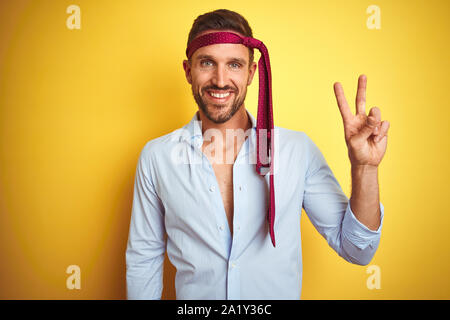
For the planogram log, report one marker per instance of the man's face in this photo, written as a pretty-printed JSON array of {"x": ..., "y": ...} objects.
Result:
[{"x": 219, "y": 75}]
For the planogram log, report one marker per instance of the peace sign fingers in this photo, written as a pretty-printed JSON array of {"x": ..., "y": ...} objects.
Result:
[{"x": 365, "y": 135}]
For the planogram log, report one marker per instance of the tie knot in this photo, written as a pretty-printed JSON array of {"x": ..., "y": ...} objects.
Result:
[{"x": 251, "y": 42}]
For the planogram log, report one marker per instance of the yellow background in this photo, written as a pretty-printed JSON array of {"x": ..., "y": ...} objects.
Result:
[{"x": 77, "y": 106}]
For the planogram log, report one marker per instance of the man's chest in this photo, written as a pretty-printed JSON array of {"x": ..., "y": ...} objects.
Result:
[
  {"x": 202, "y": 196},
  {"x": 224, "y": 177}
]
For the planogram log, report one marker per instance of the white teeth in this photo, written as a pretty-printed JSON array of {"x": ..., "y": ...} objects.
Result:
[{"x": 219, "y": 95}]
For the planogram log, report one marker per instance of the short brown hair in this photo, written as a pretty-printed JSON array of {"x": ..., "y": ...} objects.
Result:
[{"x": 221, "y": 19}]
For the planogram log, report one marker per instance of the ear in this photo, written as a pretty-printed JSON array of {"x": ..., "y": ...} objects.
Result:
[
  {"x": 251, "y": 73},
  {"x": 187, "y": 71}
]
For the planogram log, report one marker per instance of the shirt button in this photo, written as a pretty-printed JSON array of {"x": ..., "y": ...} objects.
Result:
[
  {"x": 233, "y": 265},
  {"x": 212, "y": 188},
  {"x": 240, "y": 188},
  {"x": 221, "y": 228}
]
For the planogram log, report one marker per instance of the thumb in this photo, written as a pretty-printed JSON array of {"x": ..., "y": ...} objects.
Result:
[{"x": 368, "y": 128}]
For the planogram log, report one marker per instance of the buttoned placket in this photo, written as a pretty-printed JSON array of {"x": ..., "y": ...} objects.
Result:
[
  {"x": 230, "y": 242},
  {"x": 213, "y": 189},
  {"x": 241, "y": 163}
]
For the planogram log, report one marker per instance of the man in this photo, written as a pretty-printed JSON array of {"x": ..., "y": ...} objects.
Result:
[{"x": 197, "y": 194}]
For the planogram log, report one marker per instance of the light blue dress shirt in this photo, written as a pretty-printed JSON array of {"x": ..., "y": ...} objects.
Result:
[{"x": 177, "y": 206}]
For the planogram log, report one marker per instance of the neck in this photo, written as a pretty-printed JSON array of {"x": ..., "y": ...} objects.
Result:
[{"x": 239, "y": 121}]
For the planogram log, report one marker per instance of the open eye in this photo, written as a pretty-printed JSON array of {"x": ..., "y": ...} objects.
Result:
[
  {"x": 206, "y": 63},
  {"x": 235, "y": 65}
]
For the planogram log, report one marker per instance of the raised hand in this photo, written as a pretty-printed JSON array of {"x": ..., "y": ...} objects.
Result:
[{"x": 365, "y": 135}]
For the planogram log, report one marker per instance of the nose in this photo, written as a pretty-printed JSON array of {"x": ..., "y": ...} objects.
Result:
[{"x": 220, "y": 76}]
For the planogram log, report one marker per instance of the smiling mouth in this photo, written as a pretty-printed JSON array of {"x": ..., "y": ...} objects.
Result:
[{"x": 219, "y": 96}]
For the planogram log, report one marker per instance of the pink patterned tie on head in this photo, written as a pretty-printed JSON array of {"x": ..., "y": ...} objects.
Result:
[{"x": 265, "y": 114}]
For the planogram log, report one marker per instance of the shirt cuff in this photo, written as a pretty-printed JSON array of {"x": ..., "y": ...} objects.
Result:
[{"x": 357, "y": 233}]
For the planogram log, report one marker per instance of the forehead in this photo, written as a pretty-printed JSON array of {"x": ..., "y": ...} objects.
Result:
[{"x": 222, "y": 50}]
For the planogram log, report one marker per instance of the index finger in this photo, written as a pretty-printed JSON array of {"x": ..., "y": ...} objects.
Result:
[{"x": 342, "y": 102}]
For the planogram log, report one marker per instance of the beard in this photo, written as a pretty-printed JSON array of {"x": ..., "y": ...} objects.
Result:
[{"x": 219, "y": 112}]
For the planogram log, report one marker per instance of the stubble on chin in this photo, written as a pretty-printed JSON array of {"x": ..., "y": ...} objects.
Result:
[{"x": 220, "y": 116}]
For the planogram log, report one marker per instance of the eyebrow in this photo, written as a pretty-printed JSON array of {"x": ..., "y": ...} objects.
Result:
[{"x": 206, "y": 56}]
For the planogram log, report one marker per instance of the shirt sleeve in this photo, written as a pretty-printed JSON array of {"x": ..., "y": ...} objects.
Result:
[
  {"x": 328, "y": 209},
  {"x": 146, "y": 239}
]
